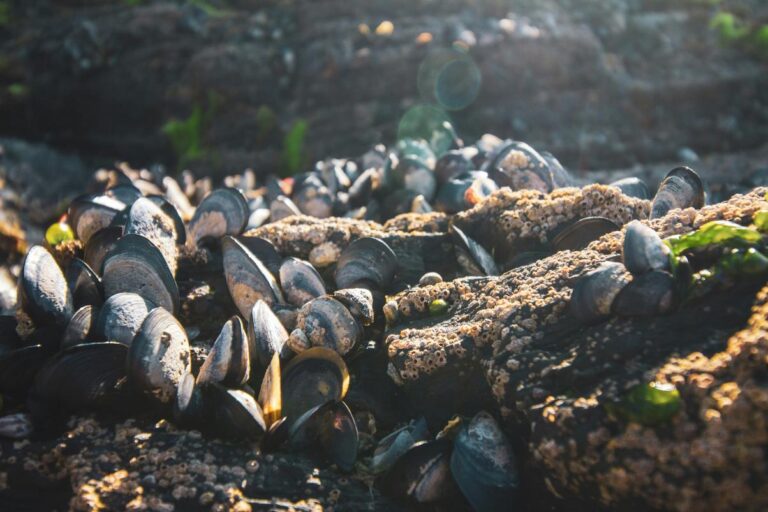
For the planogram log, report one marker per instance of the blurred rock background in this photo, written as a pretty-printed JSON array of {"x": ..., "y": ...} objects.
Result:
[{"x": 221, "y": 85}]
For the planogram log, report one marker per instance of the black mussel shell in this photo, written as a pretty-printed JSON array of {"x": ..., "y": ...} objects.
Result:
[
  {"x": 423, "y": 474},
  {"x": 300, "y": 281},
  {"x": 86, "y": 376},
  {"x": 314, "y": 377},
  {"x": 121, "y": 317},
  {"x": 484, "y": 465},
  {"x": 266, "y": 334},
  {"x": 126, "y": 193},
  {"x": 18, "y": 369},
  {"x": 99, "y": 245},
  {"x": 159, "y": 356},
  {"x": 594, "y": 293},
  {"x": 228, "y": 363},
  {"x": 233, "y": 413},
  {"x": 248, "y": 279},
  {"x": 89, "y": 214},
  {"x": 643, "y": 250},
  {"x": 366, "y": 259},
  {"x": 650, "y": 294},
  {"x": 583, "y": 232},
  {"x": 281, "y": 208},
  {"x": 315, "y": 200},
  {"x": 522, "y": 168},
  {"x": 361, "y": 190},
  {"x": 223, "y": 212},
  {"x": 454, "y": 163},
  {"x": 189, "y": 406},
  {"x": 147, "y": 219},
  {"x": 682, "y": 188},
  {"x": 472, "y": 256},
  {"x": 84, "y": 284},
  {"x": 359, "y": 302},
  {"x": 396, "y": 444},
  {"x": 43, "y": 290},
  {"x": 451, "y": 198},
  {"x": 264, "y": 250},
  {"x": 287, "y": 314},
  {"x": 80, "y": 327},
  {"x": 632, "y": 187},
  {"x": 330, "y": 427},
  {"x": 325, "y": 322},
  {"x": 560, "y": 176},
  {"x": 173, "y": 213},
  {"x": 136, "y": 265}
]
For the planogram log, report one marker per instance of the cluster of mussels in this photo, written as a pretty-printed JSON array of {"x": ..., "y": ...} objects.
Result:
[
  {"x": 644, "y": 283},
  {"x": 104, "y": 331}
]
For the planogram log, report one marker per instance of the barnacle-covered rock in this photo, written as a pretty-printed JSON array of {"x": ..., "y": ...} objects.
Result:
[
  {"x": 563, "y": 385},
  {"x": 137, "y": 463}
]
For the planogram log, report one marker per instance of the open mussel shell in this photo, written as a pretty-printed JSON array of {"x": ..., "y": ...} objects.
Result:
[
  {"x": 121, "y": 317},
  {"x": 594, "y": 293},
  {"x": 173, "y": 213},
  {"x": 396, "y": 444},
  {"x": 359, "y": 302},
  {"x": 159, "y": 356},
  {"x": 332, "y": 428},
  {"x": 89, "y": 214},
  {"x": 632, "y": 187},
  {"x": 80, "y": 327},
  {"x": 264, "y": 250},
  {"x": 484, "y": 465},
  {"x": 472, "y": 256},
  {"x": 136, "y": 265},
  {"x": 18, "y": 369},
  {"x": 99, "y": 246},
  {"x": 43, "y": 290},
  {"x": 147, "y": 219},
  {"x": 422, "y": 474},
  {"x": 267, "y": 335},
  {"x": 583, "y": 232},
  {"x": 84, "y": 284},
  {"x": 366, "y": 259},
  {"x": 248, "y": 279},
  {"x": 228, "y": 363},
  {"x": 643, "y": 250},
  {"x": 233, "y": 413},
  {"x": 325, "y": 322},
  {"x": 281, "y": 208},
  {"x": 223, "y": 212},
  {"x": 650, "y": 294},
  {"x": 314, "y": 377},
  {"x": 681, "y": 188},
  {"x": 82, "y": 377},
  {"x": 300, "y": 281}
]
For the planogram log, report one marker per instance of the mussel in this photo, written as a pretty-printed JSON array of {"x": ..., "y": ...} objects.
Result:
[
  {"x": 89, "y": 214},
  {"x": 300, "y": 281},
  {"x": 121, "y": 317},
  {"x": 366, "y": 260},
  {"x": 267, "y": 335},
  {"x": 581, "y": 233},
  {"x": 325, "y": 322},
  {"x": 643, "y": 250},
  {"x": 159, "y": 356},
  {"x": 681, "y": 188},
  {"x": 43, "y": 290},
  {"x": 650, "y": 294},
  {"x": 136, "y": 265},
  {"x": 80, "y": 327},
  {"x": 472, "y": 256},
  {"x": 84, "y": 284},
  {"x": 228, "y": 363},
  {"x": 147, "y": 219},
  {"x": 595, "y": 292},
  {"x": 247, "y": 278},
  {"x": 223, "y": 212}
]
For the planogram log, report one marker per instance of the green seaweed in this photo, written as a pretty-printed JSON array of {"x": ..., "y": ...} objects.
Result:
[
  {"x": 294, "y": 156},
  {"x": 715, "y": 232},
  {"x": 187, "y": 136}
]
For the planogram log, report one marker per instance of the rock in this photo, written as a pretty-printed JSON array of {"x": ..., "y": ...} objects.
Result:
[
  {"x": 98, "y": 463},
  {"x": 554, "y": 382}
]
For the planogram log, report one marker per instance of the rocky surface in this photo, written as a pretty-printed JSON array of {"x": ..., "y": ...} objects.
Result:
[
  {"x": 100, "y": 464},
  {"x": 553, "y": 379},
  {"x": 600, "y": 84}
]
